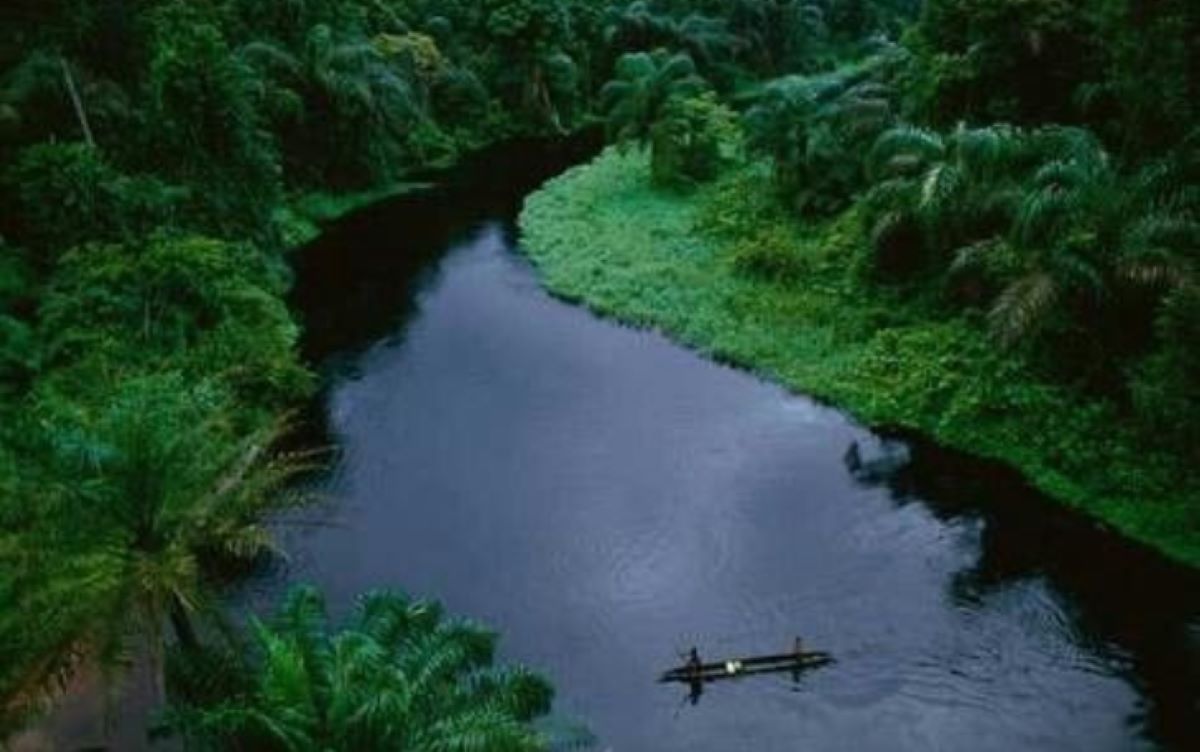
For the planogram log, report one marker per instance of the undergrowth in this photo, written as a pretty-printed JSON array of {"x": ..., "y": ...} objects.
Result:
[{"x": 724, "y": 271}]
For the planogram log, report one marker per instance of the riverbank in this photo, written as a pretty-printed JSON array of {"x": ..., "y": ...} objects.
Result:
[
  {"x": 729, "y": 275},
  {"x": 304, "y": 215}
]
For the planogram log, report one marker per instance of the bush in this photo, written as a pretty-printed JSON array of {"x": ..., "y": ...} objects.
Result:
[
  {"x": 210, "y": 307},
  {"x": 68, "y": 194},
  {"x": 1166, "y": 384},
  {"x": 771, "y": 253},
  {"x": 687, "y": 141}
]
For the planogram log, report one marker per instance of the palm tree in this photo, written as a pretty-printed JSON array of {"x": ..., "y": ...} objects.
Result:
[
  {"x": 779, "y": 35},
  {"x": 1068, "y": 224},
  {"x": 1093, "y": 239},
  {"x": 945, "y": 196},
  {"x": 162, "y": 499},
  {"x": 777, "y": 126},
  {"x": 645, "y": 81},
  {"x": 637, "y": 27},
  {"x": 357, "y": 106},
  {"x": 399, "y": 676},
  {"x": 813, "y": 128}
]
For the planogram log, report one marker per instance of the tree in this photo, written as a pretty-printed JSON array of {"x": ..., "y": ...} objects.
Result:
[
  {"x": 538, "y": 75},
  {"x": 1014, "y": 61},
  {"x": 814, "y": 130},
  {"x": 351, "y": 106},
  {"x": 687, "y": 143},
  {"x": 398, "y": 676},
  {"x": 69, "y": 193},
  {"x": 18, "y": 346},
  {"x": 167, "y": 493},
  {"x": 940, "y": 198},
  {"x": 1164, "y": 384},
  {"x": 1143, "y": 95},
  {"x": 36, "y": 92},
  {"x": 1099, "y": 247},
  {"x": 187, "y": 302},
  {"x": 780, "y": 36},
  {"x": 636, "y": 98},
  {"x": 202, "y": 126},
  {"x": 637, "y": 27}
]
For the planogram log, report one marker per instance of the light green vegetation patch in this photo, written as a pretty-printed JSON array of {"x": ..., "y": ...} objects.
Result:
[
  {"x": 300, "y": 221},
  {"x": 723, "y": 271}
]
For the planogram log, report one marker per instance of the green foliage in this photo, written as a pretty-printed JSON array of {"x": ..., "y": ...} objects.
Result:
[
  {"x": 814, "y": 131},
  {"x": 17, "y": 344},
  {"x": 539, "y": 77},
  {"x": 1145, "y": 94},
  {"x": 738, "y": 280},
  {"x": 1041, "y": 228},
  {"x": 358, "y": 105},
  {"x": 19, "y": 354},
  {"x": 938, "y": 199},
  {"x": 1007, "y": 60},
  {"x": 687, "y": 143},
  {"x": 147, "y": 148},
  {"x": 398, "y": 676},
  {"x": 210, "y": 307},
  {"x": 144, "y": 499},
  {"x": 68, "y": 194},
  {"x": 205, "y": 128},
  {"x": 640, "y": 27},
  {"x": 1164, "y": 389},
  {"x": 636, "y": 99},
  {"x": 1121, "y": 65}
]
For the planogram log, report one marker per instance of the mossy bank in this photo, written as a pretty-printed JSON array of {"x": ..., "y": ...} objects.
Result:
[{"x": 724, "y": 271}]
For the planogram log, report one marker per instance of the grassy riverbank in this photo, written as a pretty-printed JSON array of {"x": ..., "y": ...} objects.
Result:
[
  {"x": 303, "y": 216},
  {"x": 723, "y": 271}
]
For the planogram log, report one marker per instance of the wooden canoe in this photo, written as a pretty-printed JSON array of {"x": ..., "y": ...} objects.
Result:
[{"x": 734, "y": 668}]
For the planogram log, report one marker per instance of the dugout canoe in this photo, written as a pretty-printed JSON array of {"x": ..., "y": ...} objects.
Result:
[{"x": 737, "y": 667}]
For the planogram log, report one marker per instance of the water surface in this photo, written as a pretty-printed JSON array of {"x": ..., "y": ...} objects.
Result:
[{"x": 607, "y": 499}]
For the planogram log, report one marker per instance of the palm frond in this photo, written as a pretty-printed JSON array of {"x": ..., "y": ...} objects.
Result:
[
  {"x": 1023, "y": 307},
  {"x": 904, "y": 150}
]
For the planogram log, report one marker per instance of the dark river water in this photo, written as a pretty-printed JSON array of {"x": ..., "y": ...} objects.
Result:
[{"x": 607, "y": 499}]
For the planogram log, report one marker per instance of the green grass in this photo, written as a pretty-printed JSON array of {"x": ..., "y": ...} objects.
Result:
[
  {"x": 300, "y": 221},
  {"x": 723, "y": 271},
  {"x": 324, "y": 206}
]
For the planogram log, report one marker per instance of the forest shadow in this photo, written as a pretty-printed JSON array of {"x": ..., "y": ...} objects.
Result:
[{"x": 1120, "y": 593}]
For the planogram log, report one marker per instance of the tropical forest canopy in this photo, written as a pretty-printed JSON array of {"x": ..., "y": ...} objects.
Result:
[{"x": 1032, "y": 164}]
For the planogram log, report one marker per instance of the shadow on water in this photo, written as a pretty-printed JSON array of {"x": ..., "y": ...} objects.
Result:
[
  {"x": 359, "y": 283},
  {"x": 1125, "y": 601},
  {"x": 352, "y": 300}
]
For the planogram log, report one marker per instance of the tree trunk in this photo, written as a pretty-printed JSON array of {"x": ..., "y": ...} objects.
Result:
[{"x": 77, "y": 103}]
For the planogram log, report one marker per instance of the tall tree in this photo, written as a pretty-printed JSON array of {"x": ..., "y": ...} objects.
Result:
[
  {"x": 636, "y": 98},
  {"x": 155, "y": 497}
]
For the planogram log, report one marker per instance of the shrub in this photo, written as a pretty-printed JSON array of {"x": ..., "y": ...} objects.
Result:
[
  {"x": 68, "y": 194},
  {"x": 687, "y": 142}
]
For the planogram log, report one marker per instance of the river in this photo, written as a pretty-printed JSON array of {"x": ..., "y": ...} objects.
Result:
[{"x": 607, "y": 499}]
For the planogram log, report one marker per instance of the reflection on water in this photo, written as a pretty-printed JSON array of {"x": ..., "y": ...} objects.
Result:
[
  {"x": 1125, "y": 611},
  {"x": 608, "y": 499}
]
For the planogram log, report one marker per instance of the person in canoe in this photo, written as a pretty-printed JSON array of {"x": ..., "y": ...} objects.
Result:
[
  {"x": 798, "y": 649},
  {"x": 695, "y": 682}
]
